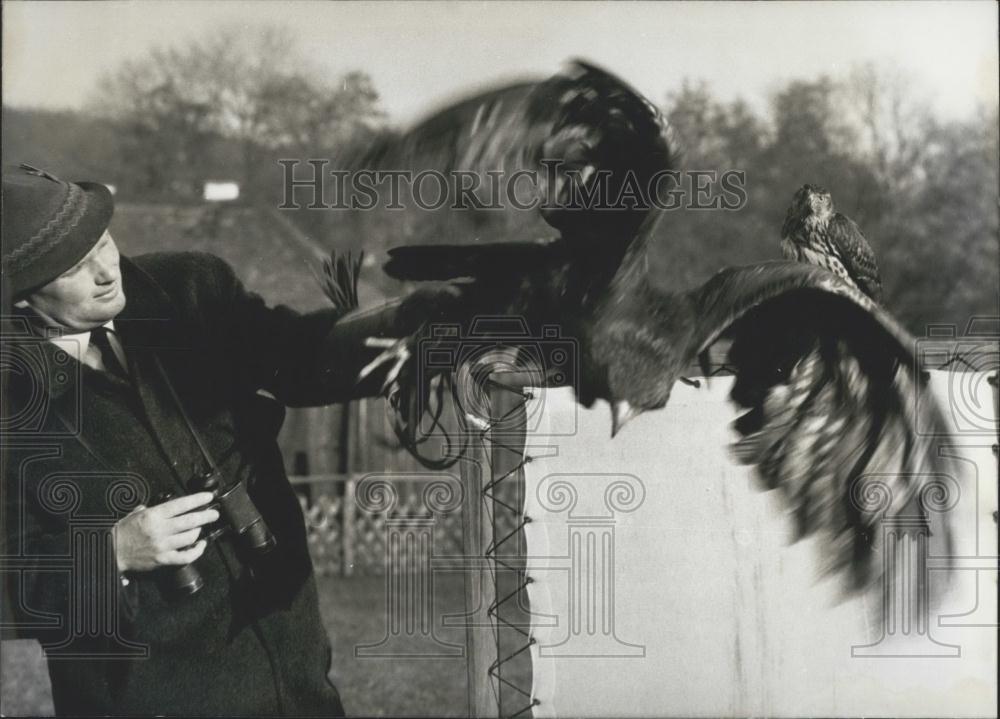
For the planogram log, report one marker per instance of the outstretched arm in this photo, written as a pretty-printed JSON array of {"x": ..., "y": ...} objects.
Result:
[{"x": 303, "y": 359}]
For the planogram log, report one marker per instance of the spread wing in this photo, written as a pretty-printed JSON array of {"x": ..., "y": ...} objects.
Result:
[
  {"x": 830, "y": 383},
  {"x": 421, "y": 263},
  {"x": 574, "y": 131},
  {"x": 857, "y": 254}
]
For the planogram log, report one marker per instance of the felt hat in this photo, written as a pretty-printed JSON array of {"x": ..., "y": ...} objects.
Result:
[{"x": 48, "y": 226}]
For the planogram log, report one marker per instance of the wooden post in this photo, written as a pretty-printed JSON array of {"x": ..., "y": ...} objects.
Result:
[
  {"x": 480, "y": 591},
  {"x": 348, "y": 538},
  {"x": 507, "y": 444},
  {"x": 357, "y": 466},
  {"x": 496, "y": 458},
  {"x": 346, "y": 433},
  {"x": 321, "y": 438}
]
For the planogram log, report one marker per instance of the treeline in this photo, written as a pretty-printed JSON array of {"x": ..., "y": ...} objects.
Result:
[
  {"x": 230, "y": 105},
  {"x": 924, "y": 192},
  {"x": 223, "y": 107}
]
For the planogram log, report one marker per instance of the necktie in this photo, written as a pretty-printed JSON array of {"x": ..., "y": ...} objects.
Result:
[{"x": 101, "y": 343}]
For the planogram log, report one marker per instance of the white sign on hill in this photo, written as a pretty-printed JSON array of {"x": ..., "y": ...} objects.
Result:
[{"x": 221, "y": 191}]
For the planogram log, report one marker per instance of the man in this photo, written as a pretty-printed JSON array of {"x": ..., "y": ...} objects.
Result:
[{"x": 133, "y": 401}]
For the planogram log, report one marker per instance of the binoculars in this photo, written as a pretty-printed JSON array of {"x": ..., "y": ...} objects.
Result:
[{"x": 237, "y": 515}]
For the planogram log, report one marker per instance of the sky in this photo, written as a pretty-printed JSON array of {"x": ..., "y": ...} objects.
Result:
[{"x": 422, "y": 54}]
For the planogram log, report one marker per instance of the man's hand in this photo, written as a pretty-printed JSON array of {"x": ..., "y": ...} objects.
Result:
[{"x": 167, "y": 534}]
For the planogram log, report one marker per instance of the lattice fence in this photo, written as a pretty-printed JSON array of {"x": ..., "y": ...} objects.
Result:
[{"x": 348, "y": 534}]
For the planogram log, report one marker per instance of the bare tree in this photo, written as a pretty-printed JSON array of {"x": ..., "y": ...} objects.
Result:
[
  {"x": 252, "y": 89},
  {"x": 893, "y": 126}
]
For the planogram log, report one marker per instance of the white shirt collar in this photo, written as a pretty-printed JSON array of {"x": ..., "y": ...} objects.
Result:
[{"x": 76, "y": 344}]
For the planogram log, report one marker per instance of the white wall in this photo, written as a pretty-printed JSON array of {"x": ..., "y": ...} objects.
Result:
[{"x": 713, "y": 611}]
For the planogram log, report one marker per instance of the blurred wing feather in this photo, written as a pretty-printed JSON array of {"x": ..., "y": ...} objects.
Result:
[
  {"x": 734, "y": 292},
  {"x": 418, "y": 263},
  {"x": 830, "y": 383},
  {"x": 585, "y": 119}
]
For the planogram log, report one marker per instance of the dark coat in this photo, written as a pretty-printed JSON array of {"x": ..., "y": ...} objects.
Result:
[{"x": 251, "y": 641}]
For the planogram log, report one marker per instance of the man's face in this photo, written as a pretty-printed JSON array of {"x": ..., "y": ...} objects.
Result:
[{"x": 86, "y": 295}]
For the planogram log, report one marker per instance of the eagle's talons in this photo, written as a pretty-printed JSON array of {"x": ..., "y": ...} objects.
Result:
[
  {"x": 705, "y": 364},
  {"x": 395, "y": 352},
  {"x": 478, "y": 422}
]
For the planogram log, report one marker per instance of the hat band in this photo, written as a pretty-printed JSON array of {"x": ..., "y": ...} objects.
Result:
[{"x": 68, "y": 217}]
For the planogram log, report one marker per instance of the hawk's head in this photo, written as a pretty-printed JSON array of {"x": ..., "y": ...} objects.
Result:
[{"x": 811, "y": 205}]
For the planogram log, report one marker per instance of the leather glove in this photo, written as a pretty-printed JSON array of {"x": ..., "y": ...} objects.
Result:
[
  {"x": 430, "y": 303},
  {"x": 345, "y": 351}
]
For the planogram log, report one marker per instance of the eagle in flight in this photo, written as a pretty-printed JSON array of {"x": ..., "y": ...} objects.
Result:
[
  {"x": 816, "y": 233},
  {"x": 825, "y": 377}
]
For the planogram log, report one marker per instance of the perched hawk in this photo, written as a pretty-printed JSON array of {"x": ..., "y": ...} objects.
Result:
[{"x": 815, "y": 233}]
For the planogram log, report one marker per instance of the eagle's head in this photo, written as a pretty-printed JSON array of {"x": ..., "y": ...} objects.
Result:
[
  {"x": 811, "y": 205},
  {"x": 637, "y": 382},
  {"x": 641, "y": 346}
]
